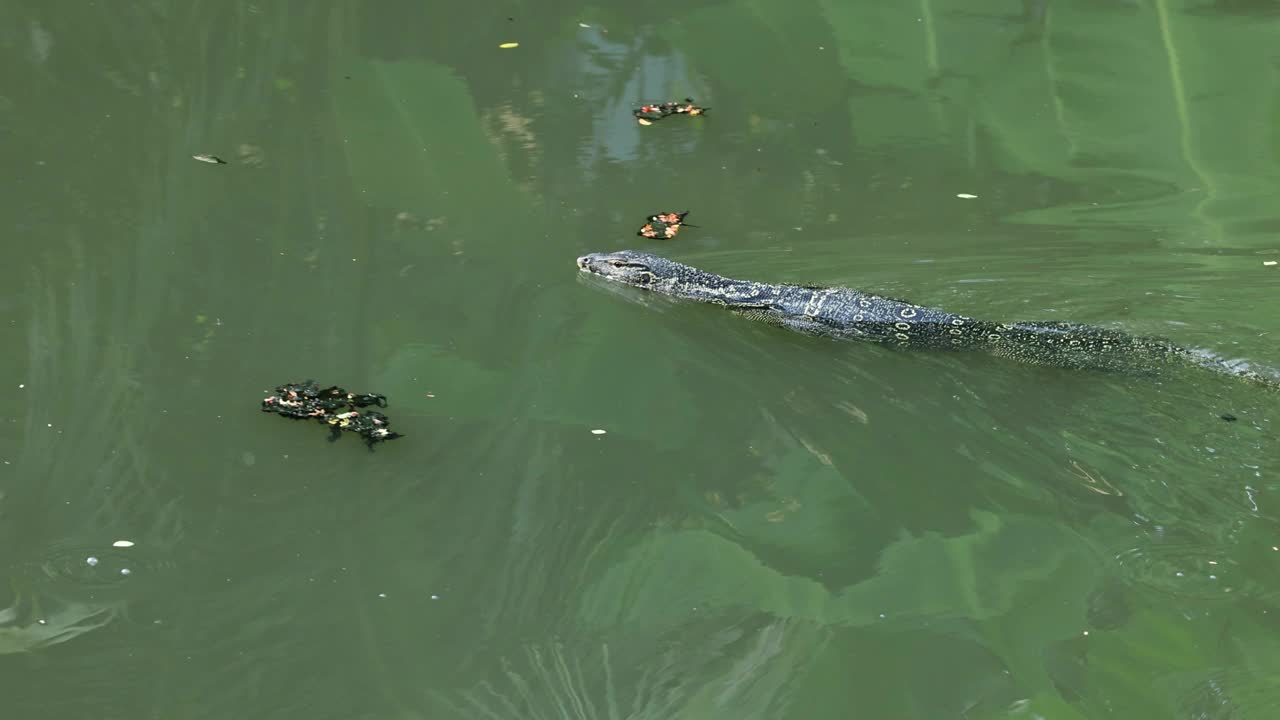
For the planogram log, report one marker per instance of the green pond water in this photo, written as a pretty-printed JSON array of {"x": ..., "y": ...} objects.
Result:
[{"x": 771, "y": 525}]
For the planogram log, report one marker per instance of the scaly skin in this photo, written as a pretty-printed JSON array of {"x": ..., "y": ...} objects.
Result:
[{"x": 847, "y": 314}]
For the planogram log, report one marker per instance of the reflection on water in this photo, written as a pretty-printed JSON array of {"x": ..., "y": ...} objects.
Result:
[
  {"x": 89, "y": 487},
  {"x": 741, "y": 671},
  {"x": 30, "y": 625}
]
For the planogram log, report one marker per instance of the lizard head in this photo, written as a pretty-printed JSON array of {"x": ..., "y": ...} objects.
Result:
[{"x": 640, "y": 269}]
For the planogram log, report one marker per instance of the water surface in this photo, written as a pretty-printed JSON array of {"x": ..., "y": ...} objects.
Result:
[{"x": 772, "y": 526}]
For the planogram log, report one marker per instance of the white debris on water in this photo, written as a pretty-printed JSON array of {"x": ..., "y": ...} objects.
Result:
[
  {"x": 966, "y": 196},
  {"x": 1264, "y": 262},
  {"x": 598, "y": 431},
  {"x": 91, "y": 561},
  {"x": 122, "y": 543}
]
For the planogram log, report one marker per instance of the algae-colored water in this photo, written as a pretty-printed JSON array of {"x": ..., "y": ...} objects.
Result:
[{"x": 771, "y": 526}]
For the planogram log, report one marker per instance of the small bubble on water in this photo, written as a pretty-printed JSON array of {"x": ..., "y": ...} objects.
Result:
[
  {"x": 125, "y": 571},
  {"x": 91, "y": 561}
]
